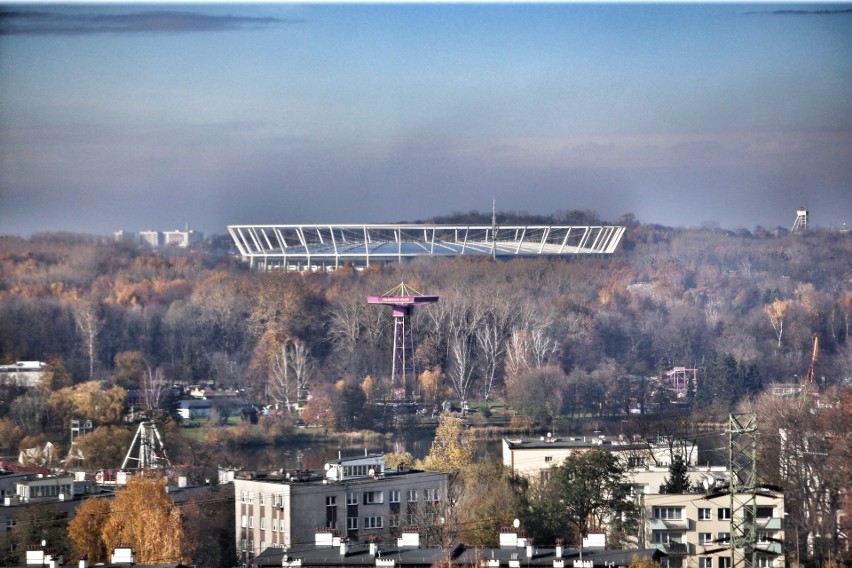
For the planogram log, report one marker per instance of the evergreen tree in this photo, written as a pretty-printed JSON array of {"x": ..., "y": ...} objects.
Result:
[{"x": 677, "y": 480}]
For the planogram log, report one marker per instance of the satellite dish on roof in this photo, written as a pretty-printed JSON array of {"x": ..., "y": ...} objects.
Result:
[{"x": 327, "y": 466}]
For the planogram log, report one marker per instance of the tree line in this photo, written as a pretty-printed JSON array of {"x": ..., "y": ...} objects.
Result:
[{"x": 552, "y": 337}]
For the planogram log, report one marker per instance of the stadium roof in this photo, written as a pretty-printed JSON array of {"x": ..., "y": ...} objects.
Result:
[{"x": 313, "y": 247}]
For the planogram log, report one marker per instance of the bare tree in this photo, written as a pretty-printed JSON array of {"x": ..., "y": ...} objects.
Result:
[
  {"x": 290, "y": 372},
  {"x": 89, "y": 326},
  {"x": 153, "y": 382},
  {"x": 491, "y": 347},
  {"x": 461, "y": 365},
  {"x": 805, "y": 447}
]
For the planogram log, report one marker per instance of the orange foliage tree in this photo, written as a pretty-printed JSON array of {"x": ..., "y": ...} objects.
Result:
[
  {"x": 145, "y": 517},
  {"x": 86, "y": 528}
]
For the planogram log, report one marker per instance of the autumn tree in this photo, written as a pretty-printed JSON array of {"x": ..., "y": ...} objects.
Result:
[
  {"x": 319, "y": 411},
  {"x": 144, "y": 517},
  {"x": 777, "y": 313},
  {"x": 486, "y": 502},
  {"x": 431, "y": 385},
  {"x": 90, "y": 401},
  {"x": 85, "y": 530},
  {"x": 104, "y": 447},
  {"x": 55, "y": 376},
  {"x": 452, "y": 448},
  {"x": 130, "y": 367}
]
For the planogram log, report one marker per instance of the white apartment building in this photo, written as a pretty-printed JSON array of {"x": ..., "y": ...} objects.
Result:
[
  {"x": 22, "y": 374},
  {"x": 533, "y": 457},
  {"x": 356, "y": 497}
]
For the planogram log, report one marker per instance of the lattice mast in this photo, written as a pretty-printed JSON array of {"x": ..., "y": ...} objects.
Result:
[
  {"x": 402, "y": 300},
  {"x": 742, "y": 461},
  {"x": 147, "y": 450},
  {"x": 800, "y": 225}
]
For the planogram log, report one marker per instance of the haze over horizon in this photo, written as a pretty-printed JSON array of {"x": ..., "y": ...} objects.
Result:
[{"x": 122, "y": 116}]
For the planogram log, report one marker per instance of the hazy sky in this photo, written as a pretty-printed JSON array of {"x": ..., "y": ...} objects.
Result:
[{"x": 122, "y": 116}]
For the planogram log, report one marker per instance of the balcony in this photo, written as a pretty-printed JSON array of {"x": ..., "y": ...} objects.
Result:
[
  {"x": 672, "y": 547},
  {"x": 770, "y": 524},
  {"x": 668, "y": 524}
]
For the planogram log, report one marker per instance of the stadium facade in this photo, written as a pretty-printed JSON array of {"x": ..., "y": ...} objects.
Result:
[{"x": 327, "y": 247}]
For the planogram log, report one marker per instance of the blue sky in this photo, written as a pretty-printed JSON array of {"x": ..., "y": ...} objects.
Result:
[{"x": 122, "y": 116}]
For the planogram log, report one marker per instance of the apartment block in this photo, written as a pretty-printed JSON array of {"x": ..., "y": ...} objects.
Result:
[
  {"x": 694, "y": 529},
  {"x": 355, "y": 497}
]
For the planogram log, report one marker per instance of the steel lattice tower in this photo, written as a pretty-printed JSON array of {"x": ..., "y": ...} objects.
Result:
[
  {"x": 742, "y": 461},
  {"x": 150, "y": 452},
  {"x": 402, "y": 299}
]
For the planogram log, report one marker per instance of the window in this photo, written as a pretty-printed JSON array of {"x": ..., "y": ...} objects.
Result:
[
  {"x": 374, "y": 522},
  {"x": 371, "y": 497},
  {"x": 393, "y": 521},
  {"x": 765, "y": 512},
  {"x": 244, "y": 521},
  {"x": 668, "y": 513},
  {"x": 393, "y": 496},
  {"x": 705, "y": 538},
  {"x": 724, "y": 562},
  {"x": 412, "y": 495},
  {"x": 635, "y": 461},
  {"x": 764, "y": 562},
  {"x": 352, "y": 523},
  {"x": 351, "y": 498},
  {"x": 704, "y": 514},
  {"x": 723, "y": 538},
  {"x": 724, "y": 514},
  {"x": 330, "y": 501},
  {"x": 430, "y": 495},
  {"x": 243, "y": 496},
  {"x": 663, "y": 537},
  {"x": 251, "y": 522},
  {"x": 262, "y": 524},
  {"x": 274, "y": 525},
  {"x": 263, "y": 545},
  {"x": 251, "y": 497},
  {"x": 548, "y": 459},
  {"x": 705, "y": 562},
  {"x": 260, "y": 499},
  {"x": 762, "y": 536}
]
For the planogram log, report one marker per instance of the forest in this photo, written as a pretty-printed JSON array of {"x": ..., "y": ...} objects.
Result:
[
  {"x": 557, "y": 341},
  {"x": 552, "y": 338}
]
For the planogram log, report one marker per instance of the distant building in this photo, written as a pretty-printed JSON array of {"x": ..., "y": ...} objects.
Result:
[
  {"x": 22, "y": 374},
  {"x": 534, "y": 457},
  {"x": 180, "y": 238},
  {"x": 678, "y": 380},
  {"x": 356, "y": 496},
  {"x": 153, "y": 238}
]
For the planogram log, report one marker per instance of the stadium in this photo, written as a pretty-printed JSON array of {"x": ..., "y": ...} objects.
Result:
[{"x": 327, "y": 247}]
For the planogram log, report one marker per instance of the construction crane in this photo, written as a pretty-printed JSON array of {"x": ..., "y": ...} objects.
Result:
[{"x": 810, "y": 379}]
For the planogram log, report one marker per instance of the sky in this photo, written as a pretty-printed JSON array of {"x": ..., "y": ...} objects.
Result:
[{"x": 163, "y": 116}]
